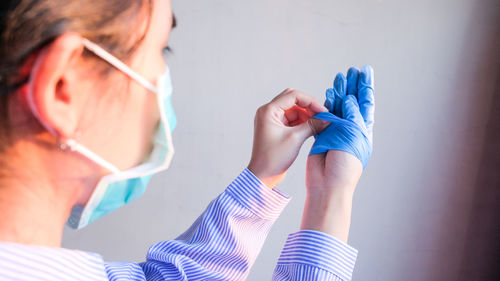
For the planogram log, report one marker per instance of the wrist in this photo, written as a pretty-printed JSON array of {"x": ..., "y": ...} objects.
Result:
[
  {"x": 335, "y": 194},
  {"x": 328, "y": 212},
  {"x": 269, "y": 180}
]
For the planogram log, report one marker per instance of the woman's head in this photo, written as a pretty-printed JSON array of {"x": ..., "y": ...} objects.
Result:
[{"x": 73, "y": 92}]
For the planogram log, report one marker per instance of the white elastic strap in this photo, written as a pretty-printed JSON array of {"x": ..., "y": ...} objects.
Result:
[
  {"x": 73, "y": 145},
  {"x": 96, "y": 49}
]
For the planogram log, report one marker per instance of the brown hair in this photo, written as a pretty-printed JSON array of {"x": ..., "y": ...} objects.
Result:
[{"x": 26, "y": 26}]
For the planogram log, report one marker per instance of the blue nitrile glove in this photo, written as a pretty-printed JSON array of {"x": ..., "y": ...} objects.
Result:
[{"x": 351, "y": 115}]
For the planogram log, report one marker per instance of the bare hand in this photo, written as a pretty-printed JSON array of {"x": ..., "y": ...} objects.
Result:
[{"x": 281, "y": 127}]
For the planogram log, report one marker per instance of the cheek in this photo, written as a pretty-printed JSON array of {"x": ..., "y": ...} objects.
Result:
[
  {"x": 142, "y": 117},
  {"x": 121, "y": 125}
]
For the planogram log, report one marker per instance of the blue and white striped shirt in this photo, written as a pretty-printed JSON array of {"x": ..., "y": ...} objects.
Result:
[{"x": 222, "y": 244}]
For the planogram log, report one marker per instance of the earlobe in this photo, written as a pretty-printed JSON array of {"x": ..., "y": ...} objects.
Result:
[{"x": 48, "y": 95}]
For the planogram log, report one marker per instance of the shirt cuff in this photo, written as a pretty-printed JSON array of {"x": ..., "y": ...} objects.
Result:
[
  {"x": 254, "y": 195},
  {"x": 320, "y": 250}
]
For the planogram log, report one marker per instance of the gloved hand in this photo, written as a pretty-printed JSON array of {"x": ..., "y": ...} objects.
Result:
[{"x": 351, "y": 106}]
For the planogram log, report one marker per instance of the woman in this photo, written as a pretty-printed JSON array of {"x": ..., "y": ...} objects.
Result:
[{"x": 87, "y": 120}]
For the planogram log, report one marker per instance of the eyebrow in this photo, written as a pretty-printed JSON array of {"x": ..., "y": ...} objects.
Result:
[{"x": 174, "y": 21}]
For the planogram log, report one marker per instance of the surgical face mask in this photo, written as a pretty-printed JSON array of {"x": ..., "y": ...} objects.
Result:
[{"x": 121, "y": 187}]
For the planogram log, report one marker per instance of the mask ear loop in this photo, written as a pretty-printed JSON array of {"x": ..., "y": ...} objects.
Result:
[
  {"x": 72, "y": 145},
  {"x": 105, "y": 55}
]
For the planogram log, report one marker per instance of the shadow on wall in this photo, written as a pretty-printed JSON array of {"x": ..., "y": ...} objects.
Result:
[
  {"x": 482, "y": 252},
  {"x": 481, "y": 256},
  {"x": 477, "y": 250}
]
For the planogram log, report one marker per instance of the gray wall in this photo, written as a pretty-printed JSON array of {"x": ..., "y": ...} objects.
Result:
[{"x": 416, "y": 209}]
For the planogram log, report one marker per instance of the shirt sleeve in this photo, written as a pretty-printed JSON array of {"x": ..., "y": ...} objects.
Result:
[
  {"x": 225, "y": 240},
  {"x": 314, "y": 255},
  {"x": 223, "y": 243}
]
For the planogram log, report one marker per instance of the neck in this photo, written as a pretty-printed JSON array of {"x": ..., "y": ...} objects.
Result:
[
  {"x": 34, "y": 204},
  {"x": 27, "y": 217}
]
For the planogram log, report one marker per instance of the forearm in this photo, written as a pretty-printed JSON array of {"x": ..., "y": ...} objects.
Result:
[
  {"x": 328, "y": 212},
  {"x": 319, "y": 251}
]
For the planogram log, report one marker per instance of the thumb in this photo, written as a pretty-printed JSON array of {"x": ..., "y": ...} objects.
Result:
[{"x": 311, "y": 127}]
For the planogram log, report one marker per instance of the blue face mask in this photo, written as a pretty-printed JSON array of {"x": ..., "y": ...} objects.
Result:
[{"x": 121, "y": 187}]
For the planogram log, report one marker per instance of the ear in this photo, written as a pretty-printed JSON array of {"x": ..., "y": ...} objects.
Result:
[{"x": 49, "y": 96}]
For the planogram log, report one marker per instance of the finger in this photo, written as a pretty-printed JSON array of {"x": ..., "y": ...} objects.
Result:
[
  {"x": 310, "y": 128},
  {"x": 290, "y": 116},
  {"x": 352, "y": 81},
  {"x": 350, "y": 110},
  {"x": 339, "y": 87},
  {"x": 297, "y": 115},
  {"x": 317, "y": 126},
  {"x": 284, "y": 92},
  {"x": 366, "y": 97},
  {"x": 330, "y": 99},
  {"x": 288, "y": 99}
]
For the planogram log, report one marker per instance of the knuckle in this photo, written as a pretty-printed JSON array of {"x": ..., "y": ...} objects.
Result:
[
  {"x": 284, "y": 92},
  {"x": 263, "y": 110},
  {"x": 293, "y": 92}
]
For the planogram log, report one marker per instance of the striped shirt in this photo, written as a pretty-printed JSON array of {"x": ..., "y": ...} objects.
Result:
[{"x": 222, "y": 244}]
